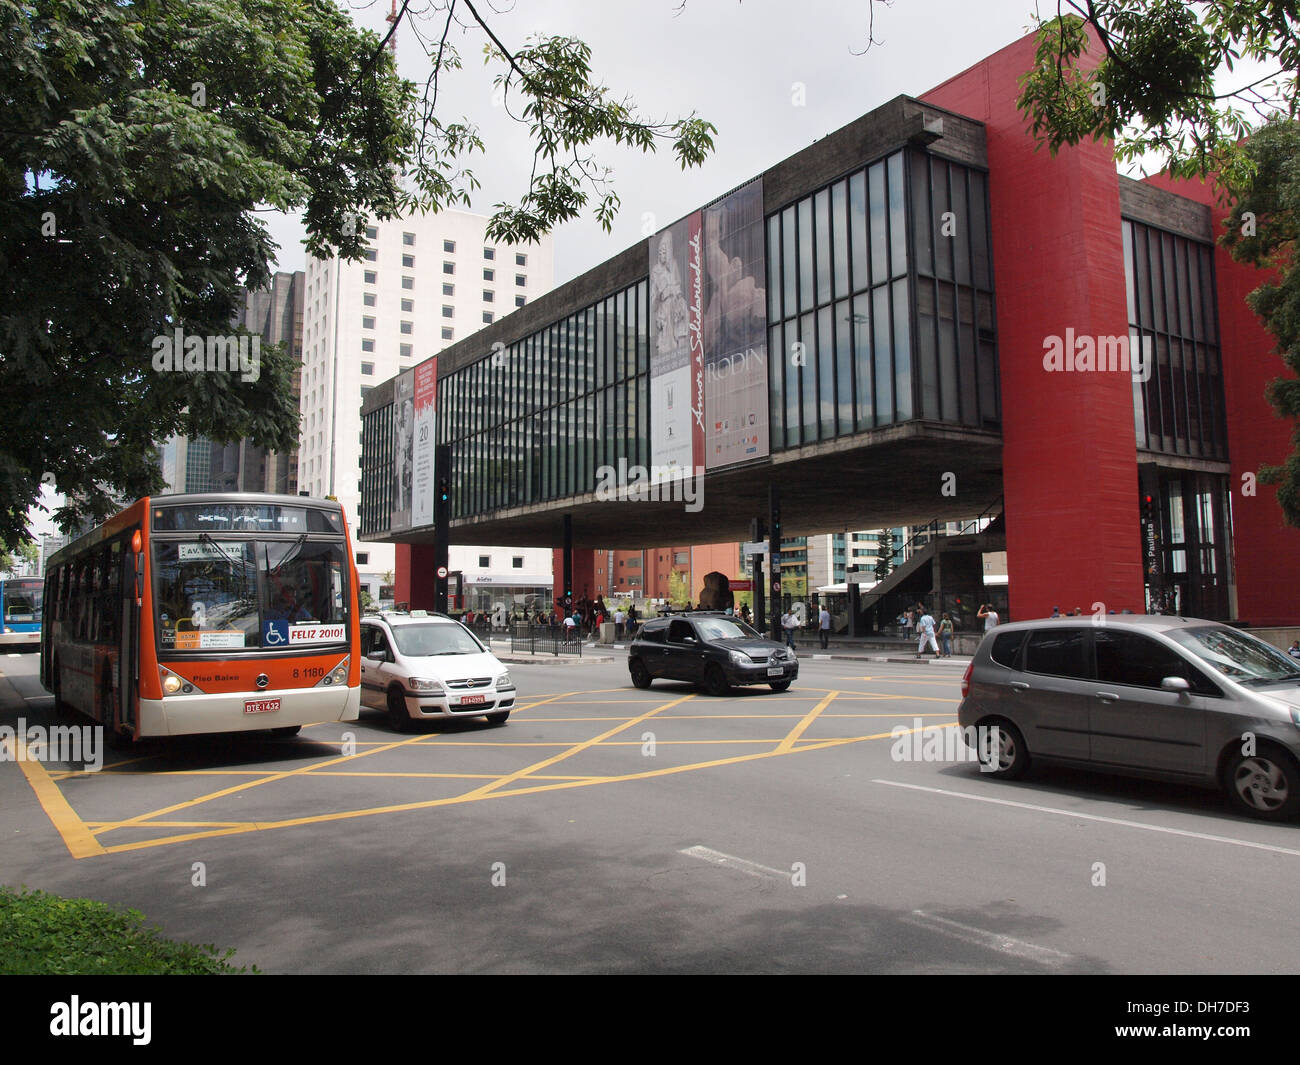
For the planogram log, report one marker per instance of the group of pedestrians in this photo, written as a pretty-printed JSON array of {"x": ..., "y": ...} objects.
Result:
[{"x": 928, "y": 631}]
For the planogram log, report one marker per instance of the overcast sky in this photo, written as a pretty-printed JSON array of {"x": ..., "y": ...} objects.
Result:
[{"x": 738, "y": 64}]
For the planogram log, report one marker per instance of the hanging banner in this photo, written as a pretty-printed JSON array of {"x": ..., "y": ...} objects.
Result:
[
  {"x": 676, "y": 415},
  {"x": 734, "y": 317},
  {"x": 403, "y": 438},
  {"x": 425, "y": 397}
]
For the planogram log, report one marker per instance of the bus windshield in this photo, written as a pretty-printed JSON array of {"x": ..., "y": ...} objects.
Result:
[
  {"x": 232, "y": 594},
  {"x": 22, "y": 601}
]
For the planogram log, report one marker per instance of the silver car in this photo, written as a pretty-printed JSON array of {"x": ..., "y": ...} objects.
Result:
[{"x": 1171, "y": 698}]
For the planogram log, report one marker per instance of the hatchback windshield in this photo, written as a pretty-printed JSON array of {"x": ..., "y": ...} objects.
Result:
[
  {"x": 420, "y": 641},
  {"x": 724, "y": 629},
  {"x": 1238, "y": 655}
]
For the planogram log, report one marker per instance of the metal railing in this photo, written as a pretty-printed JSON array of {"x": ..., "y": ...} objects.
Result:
[{"x": 545, "y": 640}]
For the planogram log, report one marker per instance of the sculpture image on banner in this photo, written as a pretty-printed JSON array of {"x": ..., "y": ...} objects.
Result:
[
  {"x": 403, "y": 438},
  {"x": 735, "y": 329}
]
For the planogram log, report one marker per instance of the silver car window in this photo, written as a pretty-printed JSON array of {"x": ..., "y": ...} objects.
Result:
[
  {"x": 1238, "y": 655},
  {"x": 1057, "y": 652}
]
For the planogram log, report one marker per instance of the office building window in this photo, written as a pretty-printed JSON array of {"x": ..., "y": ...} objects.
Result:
[
  {"x": 517, "y": 562},
  {"x": 489, "y": 253},
  {"x": 448, "y": 268},
  {"x": 372, "y": 232},
  {"x": 367, "y": 345},
  {"x": 521, "y": 259},
  {"x": 485, "y": 561},
  {"x": 487, "y": 295},
  {"x": 363, "y": 558},
  {"x": 520, "y": 301},
  {"x": 404, "y": 350},
  {"x": 407, "y": 328},
  {"x": 408, "y": 306},
  {"x": 367, "y": 369},
  {"x": 367, "y": 322},
  {"x": 488, "y": 317},
  {"x": 408, "y": 262},
  {"x": 408, "y": 283},
  {"x": 449, "y": 290},
  {"x": 448, "y": 311},
  {"x": 520, "y": 280},
  {"x": 408, "y": 239},
  {"x": 371, "y": 255},
  {"x": 449, "y": 246},
  {"x": 368, "y": 298},
  {"x": 371, "y": 277},
  {"x": 448, "y": 333}
]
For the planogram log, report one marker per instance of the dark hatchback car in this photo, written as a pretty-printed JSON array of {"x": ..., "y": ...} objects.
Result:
[
  {"x": 1165, "y": 697},
  {"x": 712, "y": 650}
]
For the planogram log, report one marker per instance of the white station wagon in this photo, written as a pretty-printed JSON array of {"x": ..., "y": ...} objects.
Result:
[{"x": 420, "y": 666}]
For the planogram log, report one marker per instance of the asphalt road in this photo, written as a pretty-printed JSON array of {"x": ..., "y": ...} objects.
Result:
[{"x": 606, "y": 829}]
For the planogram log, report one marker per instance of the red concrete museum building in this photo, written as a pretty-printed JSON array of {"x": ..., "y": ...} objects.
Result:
[{"x": 1084, "y": 328}]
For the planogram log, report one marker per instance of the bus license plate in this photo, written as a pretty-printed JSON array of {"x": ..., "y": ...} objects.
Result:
[
  {"x": 472, "y": 700},
  {"x": 775, "y": 671},
  {"x": 261, "y": 706}
]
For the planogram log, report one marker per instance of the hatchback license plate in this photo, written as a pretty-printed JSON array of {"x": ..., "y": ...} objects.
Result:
[
  {"x": 472, "y": 700},
  {"x": 261, "y": 706},
  {"x": 775, "y": 671}
]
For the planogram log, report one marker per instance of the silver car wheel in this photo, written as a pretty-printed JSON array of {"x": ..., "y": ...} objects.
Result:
[
  {"x": 1007, "y": 751},
  {"x": 1261, "y": 784}
]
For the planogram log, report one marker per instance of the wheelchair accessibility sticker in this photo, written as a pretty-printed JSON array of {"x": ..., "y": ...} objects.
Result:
[{"x": 275, "y": 633}]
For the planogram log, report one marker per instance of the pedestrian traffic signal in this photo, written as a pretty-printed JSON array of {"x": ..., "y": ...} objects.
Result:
[{"x": 444, "y": 489}]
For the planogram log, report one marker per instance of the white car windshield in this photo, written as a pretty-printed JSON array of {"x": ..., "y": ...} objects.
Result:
[{"x": 421, "y": 641}]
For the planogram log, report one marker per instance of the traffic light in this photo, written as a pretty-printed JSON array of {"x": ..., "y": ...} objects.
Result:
[{"x": 444, "y": 489}]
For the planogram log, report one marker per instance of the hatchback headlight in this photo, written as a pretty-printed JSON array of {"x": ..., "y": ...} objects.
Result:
[
  {"x": 421, "y": 684},
  {"x": 504, "y": 681},
  {"x": 740, "y": 658}
]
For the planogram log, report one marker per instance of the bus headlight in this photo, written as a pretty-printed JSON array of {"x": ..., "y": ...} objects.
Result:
[
  {"x": 337, "y": 675},
  {"x": 171, "y": 684}
]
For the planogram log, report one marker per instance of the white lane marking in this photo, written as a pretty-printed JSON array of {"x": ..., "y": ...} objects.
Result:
[
  {"x": 730, "y": 861},
  {"x": 1016, "y": 948},
  {"x": 1097, "y": 817},
  {"x": 821, "y": 656}
]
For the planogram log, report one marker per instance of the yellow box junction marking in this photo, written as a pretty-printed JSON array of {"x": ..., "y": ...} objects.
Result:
[{"x": 81, "y": 836}]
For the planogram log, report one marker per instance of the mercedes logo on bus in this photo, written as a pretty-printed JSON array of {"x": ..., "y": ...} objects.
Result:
[{"x": 263, "y": 680}]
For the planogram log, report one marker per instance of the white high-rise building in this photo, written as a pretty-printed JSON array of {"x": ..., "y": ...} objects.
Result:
[{"x": 426, "y": 282}]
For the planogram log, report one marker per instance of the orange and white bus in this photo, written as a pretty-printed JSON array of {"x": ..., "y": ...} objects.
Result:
[{"x": 218, "y": 612}]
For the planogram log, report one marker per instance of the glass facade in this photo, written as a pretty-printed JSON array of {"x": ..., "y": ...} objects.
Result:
[
  {"x": 1171, "y": 308},
  {"x": 537, "y": 420},
  {"x": 856, "y": 350}
]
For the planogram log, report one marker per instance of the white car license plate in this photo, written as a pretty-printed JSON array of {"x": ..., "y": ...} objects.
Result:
[
  {"x": 775, "y": 671},
  {"x": 472, "y": 700}
]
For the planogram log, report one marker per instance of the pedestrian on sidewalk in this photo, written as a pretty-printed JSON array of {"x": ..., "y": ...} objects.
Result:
[
  {"x": 824, "y": 626},
  {"x": 945, "y": 636},
  {"x": 789, "y": 622},
  {"x": 925, "y": 634}
]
